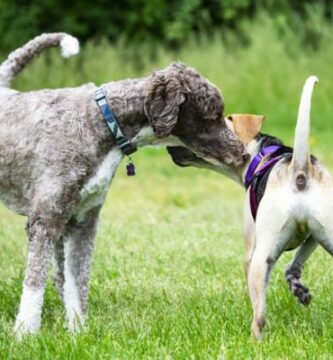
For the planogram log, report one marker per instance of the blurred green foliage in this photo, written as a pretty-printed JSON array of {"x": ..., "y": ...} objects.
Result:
[
  {"x": 139, "y": 21},
  {"x": 263, "y": 76}
]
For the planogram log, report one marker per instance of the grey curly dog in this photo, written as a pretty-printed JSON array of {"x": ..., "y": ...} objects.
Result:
[{"x": 58, "y": 158}]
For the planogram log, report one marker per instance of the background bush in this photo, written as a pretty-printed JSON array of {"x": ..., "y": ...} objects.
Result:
[{"x": 136, "y": 21}]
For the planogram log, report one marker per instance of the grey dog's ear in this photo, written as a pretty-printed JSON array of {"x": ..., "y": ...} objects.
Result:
[{"x": 164, "y": 97}]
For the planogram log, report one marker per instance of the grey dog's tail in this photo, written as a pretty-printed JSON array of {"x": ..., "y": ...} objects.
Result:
[
  {"x": 301, "y": 157},
  {"x": 18, "y": 59}
]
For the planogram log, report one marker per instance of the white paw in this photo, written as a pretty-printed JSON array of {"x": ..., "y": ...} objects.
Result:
[
  {"x": 23, "y": 328},
  {"x": 29, "y": 316},
  {"x": 76, "y": 324}
]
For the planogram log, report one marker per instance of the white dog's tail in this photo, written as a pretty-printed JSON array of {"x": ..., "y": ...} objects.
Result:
[
  {"x": 18, "y": 59},
  {"x": 301, "y": 157}
]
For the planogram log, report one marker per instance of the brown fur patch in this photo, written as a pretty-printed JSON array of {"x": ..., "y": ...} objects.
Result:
[{"x": 246, "y": 126}]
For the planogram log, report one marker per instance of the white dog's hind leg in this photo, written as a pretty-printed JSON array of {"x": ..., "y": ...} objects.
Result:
[
  {"x": 249, "y": 235},
  {"x": 272, "y": 237},
  {"x": 320, "y": 220},
  {"x": 322, "y": 231},
  {"x": 294, "y": 270}
]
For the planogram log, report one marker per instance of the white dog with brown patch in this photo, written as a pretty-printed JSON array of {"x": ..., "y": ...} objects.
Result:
[{"x": 288, "y": 204}]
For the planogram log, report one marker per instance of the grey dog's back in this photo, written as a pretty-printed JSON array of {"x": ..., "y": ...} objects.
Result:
[{"x": 45, "y": 135}]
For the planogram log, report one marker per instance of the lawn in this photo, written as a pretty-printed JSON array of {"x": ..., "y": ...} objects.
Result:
[{"x": 167, "y": 279}]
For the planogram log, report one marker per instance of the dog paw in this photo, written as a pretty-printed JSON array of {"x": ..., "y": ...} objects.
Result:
[
  {"x": 299, "y": 290},
  {"x": 302, "y": 293},
  {"x": 257, "y": 328},
  {"x": 76, "y": 324},
  {"x": 22, "y": 330}
]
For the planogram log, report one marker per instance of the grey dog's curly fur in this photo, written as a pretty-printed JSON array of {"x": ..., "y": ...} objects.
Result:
[{"x": 52, "y": 143}]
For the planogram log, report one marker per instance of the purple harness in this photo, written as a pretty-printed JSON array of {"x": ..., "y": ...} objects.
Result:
[{"x": 253, "y": 172}]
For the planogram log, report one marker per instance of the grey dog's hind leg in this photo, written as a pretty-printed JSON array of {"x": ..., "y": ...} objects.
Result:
[
  {"x": 294, "y": 271},
  {"x": 59, "y": 260},
  {"x": 78, "y": 247}
]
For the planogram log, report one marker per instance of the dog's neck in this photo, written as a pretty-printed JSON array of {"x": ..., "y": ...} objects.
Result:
[
  {"x": 252, "y": 148},
  {"x": 130, "y": 113},
  {"x": 255, "y": 146},
  {"x": 126, "y": 99},
  {"x": 146, "y": 137}
]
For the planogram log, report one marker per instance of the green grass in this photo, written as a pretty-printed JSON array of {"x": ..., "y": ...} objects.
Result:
[{"x": 167, "y": 279}]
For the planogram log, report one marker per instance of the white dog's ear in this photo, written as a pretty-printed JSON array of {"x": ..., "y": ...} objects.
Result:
[{"x": 246, "y": 126}]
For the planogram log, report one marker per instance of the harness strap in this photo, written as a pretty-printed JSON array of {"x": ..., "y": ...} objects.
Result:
[
  {"x": 256, "y": 178},
  {"x": 125, "y": 145},
  {"x": 268, "y": 150},
  {"x": 254, "y": 202}
]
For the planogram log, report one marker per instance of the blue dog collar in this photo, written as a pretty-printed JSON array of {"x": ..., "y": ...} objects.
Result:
[{"x": 125, "y": 145}]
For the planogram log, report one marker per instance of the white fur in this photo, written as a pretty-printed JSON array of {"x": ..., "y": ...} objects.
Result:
[
  {"x": 94, "y": 192},
  {"x": 69, "y": 46},
  {"x": 302, "y": 133},
  {"x": 71, "y": 293},
  {"x": 232, "y": 173},
  {"x": 29, "y": 315},
  {"x": 146, "y": 137}
]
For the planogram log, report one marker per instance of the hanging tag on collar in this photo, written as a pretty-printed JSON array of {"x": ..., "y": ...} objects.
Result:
[{"x": 130, "y": 167}]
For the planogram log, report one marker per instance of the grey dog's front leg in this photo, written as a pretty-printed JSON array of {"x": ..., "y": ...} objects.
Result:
[
  {"x": 294, "y": 271},
  {"x": 78, "y": 247},
  {"x": 42, "y": 231}
]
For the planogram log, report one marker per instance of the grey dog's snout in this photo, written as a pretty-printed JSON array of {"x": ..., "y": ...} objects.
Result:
[
  {"x": 240, "y": 160},
  {"x": 246, "y": 157}
]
